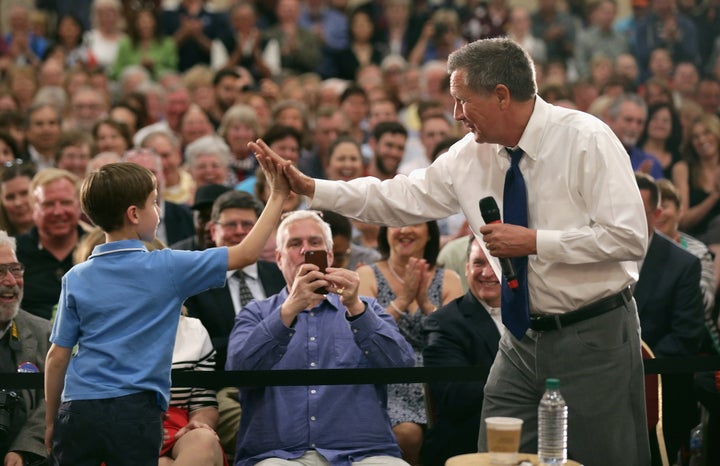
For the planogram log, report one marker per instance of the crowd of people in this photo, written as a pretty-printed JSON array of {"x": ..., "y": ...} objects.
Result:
[{"x": 342, "y": 90}]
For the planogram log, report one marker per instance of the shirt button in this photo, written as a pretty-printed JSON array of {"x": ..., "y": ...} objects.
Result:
[
  {"x": 355, "y": 330},
  {"x": 312, "y": 418},
  {"x": 312, "y": 445},
  {"x": 312, "y": 338},
  {"x": 312, "y": 364},
  {"x": 313, "y": 391},
  {"x": 367, "y": 352},
  {"x": 312, "y": 314}
]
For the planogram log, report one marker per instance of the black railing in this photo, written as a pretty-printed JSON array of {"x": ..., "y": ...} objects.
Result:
[{"x": 358, "y": 376}]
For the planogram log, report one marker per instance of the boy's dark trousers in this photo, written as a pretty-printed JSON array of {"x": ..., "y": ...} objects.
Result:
[{"x": 117, "y": 431}]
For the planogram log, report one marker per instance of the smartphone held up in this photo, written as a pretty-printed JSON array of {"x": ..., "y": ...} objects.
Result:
[{"x": 319, "y": 258}]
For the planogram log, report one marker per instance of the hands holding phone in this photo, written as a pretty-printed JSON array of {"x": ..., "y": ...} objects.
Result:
[
  {"x": 343, "y": 282},
  {"x": 314, "y": 280}
]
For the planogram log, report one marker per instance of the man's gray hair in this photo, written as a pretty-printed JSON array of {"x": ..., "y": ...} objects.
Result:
[
  {"x": 616, "y": 105},
  {"x": 489, "y": 62},
  {"x": 298, "y": 215}
]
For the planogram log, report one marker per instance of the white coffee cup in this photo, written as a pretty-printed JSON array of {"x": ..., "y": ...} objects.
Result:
[{"x": 503, "y": 439}]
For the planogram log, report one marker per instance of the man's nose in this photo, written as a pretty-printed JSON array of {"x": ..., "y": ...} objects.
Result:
[{"x": 56, "y": 208}]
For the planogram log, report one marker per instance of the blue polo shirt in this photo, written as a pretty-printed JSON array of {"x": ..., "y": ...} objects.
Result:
[{"x": 121, "y": 307}]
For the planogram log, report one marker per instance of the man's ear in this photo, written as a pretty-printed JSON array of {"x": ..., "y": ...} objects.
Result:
[
  {"x": 502, "y": 94},
  {"x": 132, "y": 214}
]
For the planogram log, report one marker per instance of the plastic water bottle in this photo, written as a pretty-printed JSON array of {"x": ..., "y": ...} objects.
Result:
[{"x": 552, "y": 425}]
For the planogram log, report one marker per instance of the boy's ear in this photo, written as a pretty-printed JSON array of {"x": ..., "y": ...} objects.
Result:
[{"x": 132, "y": 215}]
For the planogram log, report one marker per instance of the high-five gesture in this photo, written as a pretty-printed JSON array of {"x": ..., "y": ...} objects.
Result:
[{"x": 300, "y": 183}]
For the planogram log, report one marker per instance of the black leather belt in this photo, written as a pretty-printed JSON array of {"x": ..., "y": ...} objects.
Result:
[{"x": 545, "y": 322}]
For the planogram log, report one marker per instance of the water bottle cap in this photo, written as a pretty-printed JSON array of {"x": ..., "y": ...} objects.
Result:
[{"x": 552, "y": 384}]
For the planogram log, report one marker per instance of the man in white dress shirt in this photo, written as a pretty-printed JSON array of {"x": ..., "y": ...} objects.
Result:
[{"x": 586, "y": 230}]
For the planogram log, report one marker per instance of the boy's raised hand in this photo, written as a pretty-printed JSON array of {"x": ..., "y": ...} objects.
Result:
[
  {"x": 299, "y": 182},
  {"x": 276, "y": 179}
]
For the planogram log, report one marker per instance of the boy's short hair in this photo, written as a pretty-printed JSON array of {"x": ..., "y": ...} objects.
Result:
[{"x": 107, "y": 192}]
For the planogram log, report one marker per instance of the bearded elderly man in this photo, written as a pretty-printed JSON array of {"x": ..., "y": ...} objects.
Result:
[
  {"x": 299, "y": 328},
  {"x": 23, "y": 345}
]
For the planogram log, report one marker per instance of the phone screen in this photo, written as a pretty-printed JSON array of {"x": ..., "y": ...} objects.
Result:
[{"x": 319, "y": 258}]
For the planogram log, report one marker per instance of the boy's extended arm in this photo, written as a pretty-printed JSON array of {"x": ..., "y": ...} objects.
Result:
[
  {"x": 56, "y": 364},
  {"x": 248, "y": 251}
]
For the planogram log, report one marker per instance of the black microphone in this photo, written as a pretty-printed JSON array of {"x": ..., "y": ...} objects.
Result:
[{"x": 491, "y": 214}]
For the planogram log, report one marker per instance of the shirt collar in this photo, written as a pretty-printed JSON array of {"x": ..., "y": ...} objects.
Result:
[
  {"x": 119, "y": 246},
  {"x": 531, "y": 139},
  {"x": 251, "y": 271}
]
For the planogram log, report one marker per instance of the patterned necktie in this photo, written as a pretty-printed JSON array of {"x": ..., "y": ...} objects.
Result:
[
  {"x": 245, "y": 294},
  {"x": 515, "y": 311}
]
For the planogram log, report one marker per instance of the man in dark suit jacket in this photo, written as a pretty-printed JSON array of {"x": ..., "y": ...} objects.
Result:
[
  {"x": 233, "y": 215},
  {"x": 465, "y": 332},
  {"x": 671, "y": 313}
]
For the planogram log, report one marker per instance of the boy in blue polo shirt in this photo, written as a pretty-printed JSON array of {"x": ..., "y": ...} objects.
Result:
[{"x": 121, "y": 307}]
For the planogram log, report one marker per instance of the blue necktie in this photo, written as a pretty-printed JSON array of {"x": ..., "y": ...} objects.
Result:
[{"x": 515, "y": 311}]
